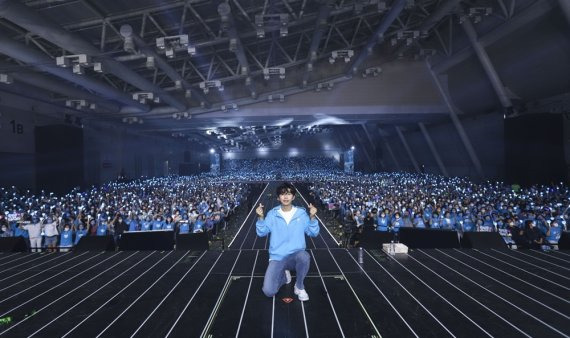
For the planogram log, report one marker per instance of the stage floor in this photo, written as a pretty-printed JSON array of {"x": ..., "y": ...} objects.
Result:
[
  {"x": 433, "y": 293},
  {"x": 427, "y": 293}
]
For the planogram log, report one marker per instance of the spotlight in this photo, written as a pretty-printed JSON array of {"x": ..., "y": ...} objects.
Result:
[
  {"x": 6, "y": 79},
  {"x": 172, "y": 43},
  {"x": 78, "y": 69},
  {"x": 150, "y": 64},
  {"x": 97, "y": 67}
]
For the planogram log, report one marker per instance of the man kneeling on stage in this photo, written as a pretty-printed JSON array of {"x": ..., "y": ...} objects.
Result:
[{"x": 288, "y": 225}]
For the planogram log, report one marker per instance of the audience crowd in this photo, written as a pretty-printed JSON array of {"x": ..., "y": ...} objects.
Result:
[
  {"x": 178, "y": 204},
  {"x": 531, "y": 217}
]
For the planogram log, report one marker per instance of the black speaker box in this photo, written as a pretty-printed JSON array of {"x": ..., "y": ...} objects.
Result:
[
  {"x": 192, "y": 242},
  {"x": 429, "y": 238},
  {"x": 95, "y": 243},
  {"x": 372, "y": 239},
  {"x": 13, "y": 244},
  {"x": 147, "y": 240},
  {"x": 482, "y": 240}
]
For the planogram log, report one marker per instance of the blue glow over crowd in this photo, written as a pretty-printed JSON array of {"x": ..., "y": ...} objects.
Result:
[{"x": 529, "y": 217}]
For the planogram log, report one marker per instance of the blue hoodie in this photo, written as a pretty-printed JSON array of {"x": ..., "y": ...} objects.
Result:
[{"x": 286, "y": 238}]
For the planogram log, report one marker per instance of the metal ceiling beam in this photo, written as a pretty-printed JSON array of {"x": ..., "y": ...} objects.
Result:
[
  {"x": 31, "y": 56},
  {"x": 483, "y": 57},
  {"x": 252, "y": 33},
  {"x": 29, "y": 19},
  {"x": 377, "y": 36},
  {"x": 433, "y": 149},
  {"x": 228, "y": 24},
  {"x": 435, "y": 17},
  {"x": 565, "y": 6},
  {"x": 391, "y": 152},
  {"x": 456, "y": 122},
  {"x": 32, "y": 93},
  {"x": 408, "y": 150},
  {"x": 531, "y": 13},
  {"x": 162, "y": 64},
  {"x": 321, "y": 25},
  {"x": 55, "y": 86},
  {"x": 358, "y": 138}
]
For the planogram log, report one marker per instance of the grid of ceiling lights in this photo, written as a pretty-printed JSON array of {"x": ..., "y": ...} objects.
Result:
[{"x": 261, "y": 136}]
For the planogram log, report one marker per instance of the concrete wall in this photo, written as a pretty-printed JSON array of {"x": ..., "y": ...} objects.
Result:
[
  {"x": 107, "y": 150},
  {"x": 111, "y": 151},
  {"x": 18, "y": 118}
]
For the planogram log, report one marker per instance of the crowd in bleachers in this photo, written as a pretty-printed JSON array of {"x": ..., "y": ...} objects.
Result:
[
  {"x": 178, "y": 204},
  {"x": 529, "y": 217}
]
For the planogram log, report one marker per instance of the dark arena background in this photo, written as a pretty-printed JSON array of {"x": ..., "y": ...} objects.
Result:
[{"x": 144, "y": 145}]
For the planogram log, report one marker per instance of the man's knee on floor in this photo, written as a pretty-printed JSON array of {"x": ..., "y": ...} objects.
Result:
[{"x": 268, "y": 292}]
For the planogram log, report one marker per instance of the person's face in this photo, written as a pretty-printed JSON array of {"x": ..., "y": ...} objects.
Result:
[{"x": 286, "y": 198}]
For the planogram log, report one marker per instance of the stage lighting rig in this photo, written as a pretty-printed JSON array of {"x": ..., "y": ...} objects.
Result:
[
  {"x": 408, "y": 36},
  {"x": 143, "y": 97},
  {"x": 279, "y": 97},
  {"x": 274, "y": 71},
  {"x": 324, "y": 85},
  {"x": 373, "y": 71},
  {"x": 232, "y": 106},
  {"x": 359, "y": 5},
  {"x": 345, "y": 54},
  {"x": 79, "y": 104},
  {"x": 150, "y": 64},
  {"x": 269, "y": 21},
  {"x": 169, "y": 44},
  {"x": 78, "y": 62},
  {"x": 206, "y": 85},
  {"x": 425, "y": 54},
  {"x": 180, "y": 116},
  {"x": 133, "y": 120},
  {"x": 476, "y": 14}
]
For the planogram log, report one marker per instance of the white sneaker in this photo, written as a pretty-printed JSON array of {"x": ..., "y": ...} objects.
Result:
[
  {"x": 288, "y": 276},
  {"x": 302, "y": 294}
]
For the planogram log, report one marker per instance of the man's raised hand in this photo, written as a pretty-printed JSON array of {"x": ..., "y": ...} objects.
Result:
[
  {"x": 259, "y": 211},
  {"x": 312, "y": 210}
]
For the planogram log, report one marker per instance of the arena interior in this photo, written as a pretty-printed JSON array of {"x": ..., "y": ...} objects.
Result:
[{"x": 285, "y": 168}]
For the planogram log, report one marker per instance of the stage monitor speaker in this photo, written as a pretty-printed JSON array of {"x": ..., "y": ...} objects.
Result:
[
  {"x": 13, "y": 244},
  {"x": 564, "y": 242},
  {"x": 147, "y": 240},
  {"x": 429, "y": 238},
  {"x": 95, "y": 243},
  {"x": 373, "y": 239},
  {"x": 482, "y": 240},
  {"x": 192, "y": 242}
]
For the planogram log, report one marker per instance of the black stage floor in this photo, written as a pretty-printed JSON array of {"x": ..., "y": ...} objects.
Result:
[{"x": 428, "y": 293}]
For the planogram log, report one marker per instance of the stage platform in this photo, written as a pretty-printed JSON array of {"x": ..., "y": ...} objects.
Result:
[
  {"x": 427, "y": 293},
  {"x": 435, "y": 293}
]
